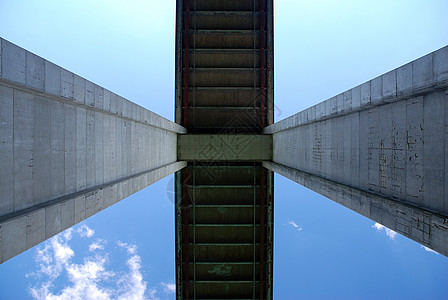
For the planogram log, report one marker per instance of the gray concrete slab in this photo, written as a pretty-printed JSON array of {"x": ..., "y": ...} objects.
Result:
[
  {"x": 99, "y": 96},
  {"x": 57, "y": 149},
  {"x": 13, "y": 62},
  {"x": 441, "y": 65},
  {"x": 348, "y": 106},
  {"x": 446, "y": 146},
  {"x": 81, "y": 148},
  {"x": 434, "y": 195},
  {"x": 423, "y": 226},
  {"x": 90, "y": 93},
  {"x": 6, "y": 150},
  {"x": 67, "y": 84},
  {"x": 394, "y": 146},
  {"x": 41, "y": 151},
  {"x": 90, "y": 149},
  {"x": 365, "y": 94},
  {"x": 404, "y": 80},
  {"x": 67, "y": 214},
  {"x": 388, "y": 150},
  {"x": 79, "y": 89},
  {"x": 13, "y": 237},
  {"x": 52, "y": 79},
  {"x": 35, "y": 71},
  {"x": 52, "y": 220},
  {"x": 35, "y": 229},
  {"x": 414, "y": 150},
  {"x": 422, "y": 72},
  {"x": 376, "y": 90},
  {"x": 23, "y": 150},
  {"x": 212, "y": 147},
  {"x": 68, "y": 150},
  {"x": 389, "y": 85},
  {"x": 1, "y": 40},
  {"x": 80, "y": 208},
  {"x": 107, "y": 100}
]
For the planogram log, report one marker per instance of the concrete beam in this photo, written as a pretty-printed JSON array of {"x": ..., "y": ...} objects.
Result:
[
  {"x": 69, "y": 149},
  {"x": 386, "y": 137},
  {"x": 224, "y": 147},
  {"x": 423, "y": 226}
]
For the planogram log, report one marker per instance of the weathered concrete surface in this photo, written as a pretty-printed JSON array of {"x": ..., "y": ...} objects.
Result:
[
  {"x": 224, "y": 147},
  {"x": 425, "y": 227},
  {"x": 69, "y": 148},
  {"x": 387, "y": 137}
]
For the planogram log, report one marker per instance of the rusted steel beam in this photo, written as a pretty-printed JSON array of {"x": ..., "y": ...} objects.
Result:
[
  {"x": 262, "y": 64},
  {"x": 186, "y": 60},
  {"x": 262, "y": 231},
  {"x": 186, "y": 235}
]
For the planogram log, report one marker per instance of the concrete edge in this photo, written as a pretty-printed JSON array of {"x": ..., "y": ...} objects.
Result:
[
  {"x": 423, "y": 75},
  {"x": 25, "y": 229},
  {"x": 423, "y": 226},
  {"x": 51, "y": 79}
]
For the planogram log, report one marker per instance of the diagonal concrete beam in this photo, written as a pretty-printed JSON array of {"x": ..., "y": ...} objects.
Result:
[
  {"x": 423, "y": 226},
  {"x": 69, "y": 148},
  {"x": 387, "y": 137}
]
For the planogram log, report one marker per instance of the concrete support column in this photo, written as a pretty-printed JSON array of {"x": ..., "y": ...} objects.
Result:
[
  {"x": 69, "y": 148},
  {"x": 383, "y": 143}
]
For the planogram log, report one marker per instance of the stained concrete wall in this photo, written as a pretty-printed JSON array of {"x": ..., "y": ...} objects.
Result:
[
  {"x": 387, "y": 137},
  {"x": 69, "y": 148},
  {"x": 423, "y": 226}
]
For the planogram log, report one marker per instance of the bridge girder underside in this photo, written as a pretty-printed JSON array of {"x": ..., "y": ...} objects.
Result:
[{"x": 224, "y": 208}]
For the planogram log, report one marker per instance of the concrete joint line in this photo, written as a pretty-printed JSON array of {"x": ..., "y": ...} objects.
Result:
[
  {"x": 49, "y": 203},
  {"x": 28, "y": 89},
  {"x": 439, "y": 86},
  {"x": 276, "y": 167}
]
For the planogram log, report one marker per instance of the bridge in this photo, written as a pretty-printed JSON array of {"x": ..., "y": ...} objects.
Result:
[{"x": 378, "y": 149}]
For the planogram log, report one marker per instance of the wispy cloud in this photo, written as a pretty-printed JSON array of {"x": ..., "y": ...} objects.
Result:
[
  {"x": 85, "y": 231},
  {"x": 293, "y": 224},
  {"x": 389, "y": 232},
  {"x": 92, "y": 278},
  {"x": 132, "y": 284},
  {"x": 170, "y": 288},
  {"x": 96, "y": 245},
  {"x": 429, "y": 250}
]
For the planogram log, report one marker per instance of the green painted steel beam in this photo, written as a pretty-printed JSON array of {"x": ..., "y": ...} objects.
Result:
[{"x": 224, "y": 147}]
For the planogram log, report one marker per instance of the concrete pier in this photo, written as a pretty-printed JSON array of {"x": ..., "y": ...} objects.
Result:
[
  {"x": 380, "y": 149},
  {"x": 69, "y": 149}
]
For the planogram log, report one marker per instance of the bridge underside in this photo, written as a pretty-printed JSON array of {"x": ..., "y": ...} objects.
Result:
[{"x": 224, "y": 206}]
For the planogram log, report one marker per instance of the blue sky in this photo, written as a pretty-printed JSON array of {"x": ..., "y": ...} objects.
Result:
[{"x": 322, "y": 250}]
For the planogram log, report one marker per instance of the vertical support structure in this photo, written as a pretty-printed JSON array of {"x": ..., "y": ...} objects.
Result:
[
  {"x": 186, "y": 61},
  {"x": 270, "y": 63},
  {"x": 379, "y": 149},
  {"x": 186, "y": 232},
  {"x": 262, "y": 231},
  {"x": 69, "y": 149},
  {"x": 225, "y": 76},
  {"x": 262, "y": 63}
]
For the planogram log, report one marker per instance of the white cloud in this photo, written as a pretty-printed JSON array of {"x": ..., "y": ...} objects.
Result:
[
  {"x": 131, "y": 249},
  {"x": 293, "y": 224},
  {"x": 97, "y": 245},
  {"x": 133, "y": 285},
  {"x": 85, "y": 231},
  {"x": 170, "y": 288},
  {"x": 88, "y": 278},
  {"x": 54, "y": 256},
  {"x": 429, "y": 250},
  {"x": 389, "y": 232}
]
